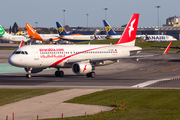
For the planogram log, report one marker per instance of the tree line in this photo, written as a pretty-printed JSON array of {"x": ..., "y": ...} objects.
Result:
[{"x": 15, "y": 29}]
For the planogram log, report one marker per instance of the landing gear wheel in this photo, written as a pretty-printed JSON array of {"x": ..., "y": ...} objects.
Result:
[
  {"x": 56, "y": 74},
  {"x": 28, "y": 75},
  {"x": 88, "y": 75},
  {"x": 28, "y": 70},
  {"x": 92, "y": 74},
  {"x": 59, "y": 73}
]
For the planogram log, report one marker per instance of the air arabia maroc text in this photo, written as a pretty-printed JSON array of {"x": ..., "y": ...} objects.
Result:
[
  {"x": 50, "y": 49},
  {"x": 51, "y": 53}
]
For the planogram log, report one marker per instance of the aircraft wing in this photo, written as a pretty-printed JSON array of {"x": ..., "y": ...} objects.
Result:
[
  {"x": 103, "y": 59},
  {"x": 165, "y": 47}
]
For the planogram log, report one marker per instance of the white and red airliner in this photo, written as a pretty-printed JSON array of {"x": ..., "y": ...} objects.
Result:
[{"x": 81, "y": 58}]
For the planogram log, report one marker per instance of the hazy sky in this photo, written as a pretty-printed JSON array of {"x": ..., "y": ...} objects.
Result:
[{"x": 47, "y": 12}]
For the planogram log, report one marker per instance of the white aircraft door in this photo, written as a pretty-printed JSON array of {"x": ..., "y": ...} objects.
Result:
[{"x": 36, "y": 54}]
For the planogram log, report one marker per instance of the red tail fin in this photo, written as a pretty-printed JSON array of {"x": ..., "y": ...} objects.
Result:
[
  {"x": 129, "y": 34},
  {"x": 32, "y": 33}
]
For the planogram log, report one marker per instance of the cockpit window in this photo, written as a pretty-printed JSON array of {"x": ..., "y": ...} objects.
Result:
[
  {"x": 21, "y": 52},
  {"x": 17, "y": 52}
]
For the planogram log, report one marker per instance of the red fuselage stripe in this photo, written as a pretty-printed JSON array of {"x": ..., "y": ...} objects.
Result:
[{"x": 61, "y": 60}]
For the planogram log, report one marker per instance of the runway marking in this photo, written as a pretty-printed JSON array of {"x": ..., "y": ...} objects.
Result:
[
  {"x": 175, "y": 70},
  {"x": 152, "y": 71},
  {"x": 144, "y": 84},
  {"x": 159, "y": 70},
  {"x": 146, "y": 69},
  {"x": 153, "y": 81},
  {"x": 151, "y": 62}
]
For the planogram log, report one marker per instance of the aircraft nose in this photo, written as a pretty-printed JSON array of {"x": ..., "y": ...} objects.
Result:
[{"x": 13, "y": 60}]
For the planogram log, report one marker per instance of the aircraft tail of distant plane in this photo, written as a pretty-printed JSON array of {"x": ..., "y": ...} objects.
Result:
[
  {"x": 32, "y": 33},
  {"x": 129, "y": 35},
  {"x": 108, "y": 29},
  {"x": 12, "y": 38},
  {"x": 4, "y": 34},
  {"x": 61, "y": 30},
  {"x": 2, "y": 31}
]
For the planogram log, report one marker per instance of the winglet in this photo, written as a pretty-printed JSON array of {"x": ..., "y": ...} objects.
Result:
[
  {"x": 167, "y": 49},
  {"x": 129, "y": 35},
  {"x": 21, "y": 44}
]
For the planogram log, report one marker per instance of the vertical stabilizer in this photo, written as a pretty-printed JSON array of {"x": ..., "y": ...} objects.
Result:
[
  {"x": 61, "y": 30},
  {"x": 108, "y": 28},
  {"x": 32, "y": 33},
  {"x": 129, "y": 35},
  {"x": 2, "y": 31}
]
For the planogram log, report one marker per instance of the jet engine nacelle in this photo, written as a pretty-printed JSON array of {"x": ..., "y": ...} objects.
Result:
[
  {"x": 34, "y": 70},
  {"x": 81, "y": 68}
]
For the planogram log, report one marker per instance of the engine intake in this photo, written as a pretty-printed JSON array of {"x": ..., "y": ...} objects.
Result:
[{"x": 81, "y": 68}]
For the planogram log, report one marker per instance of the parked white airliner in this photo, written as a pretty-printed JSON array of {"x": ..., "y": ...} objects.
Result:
[
  {"x": 81, "y": 58},
  {"x": 111, "y": 34},
  {"x": 32, "y": 34},
  {"x": 12, "y": 38}
]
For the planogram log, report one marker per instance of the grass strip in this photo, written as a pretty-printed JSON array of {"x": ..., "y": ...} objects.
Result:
[
  {"x": 140, "y": 104},
  {"x": 8, "y": 48}
]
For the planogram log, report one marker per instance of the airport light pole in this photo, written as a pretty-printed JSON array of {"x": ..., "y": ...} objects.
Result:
[
  {"x": 64, "y": 16},
  {"x": 36, "y": 25},
  {"x": 158, "y": 16},
  {"x": 105, "y": 12},
  {"x": 87, "y": 19}
]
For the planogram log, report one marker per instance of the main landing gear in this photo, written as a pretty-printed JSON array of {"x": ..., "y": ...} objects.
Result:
[
  {"x": 91, "y": 74},
  {"x": 59, "y": 73}
]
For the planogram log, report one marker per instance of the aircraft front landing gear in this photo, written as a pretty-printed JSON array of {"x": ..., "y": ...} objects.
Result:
[{"x": 29, "y": 73}]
